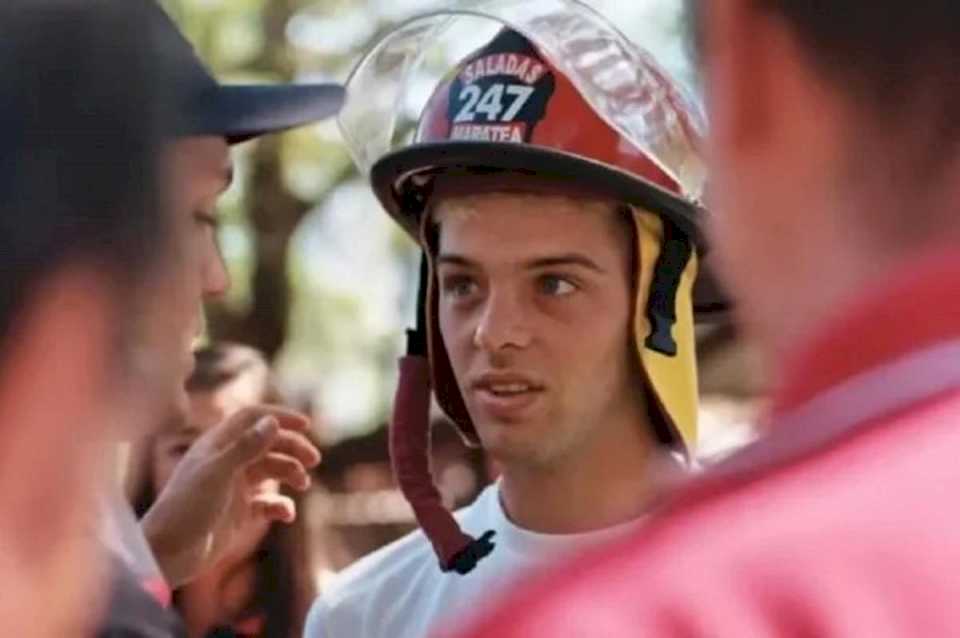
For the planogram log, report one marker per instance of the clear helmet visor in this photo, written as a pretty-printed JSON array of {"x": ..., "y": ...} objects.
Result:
[{"x": 621, "y": 82}]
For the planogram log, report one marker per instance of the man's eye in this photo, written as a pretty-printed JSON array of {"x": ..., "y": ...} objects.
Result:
[
  {"x": 555, "y": 286},
  {"x": 179, "y": 450},
  {"x": 204, "y": 218},
  {"x": 458, "y": 286}
]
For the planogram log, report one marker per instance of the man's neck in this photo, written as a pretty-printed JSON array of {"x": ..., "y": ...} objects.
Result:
[
  {"x": 591, "y": 490},
  {"x": 835, "y": 285},
  {"x": 891, "y": 320}
]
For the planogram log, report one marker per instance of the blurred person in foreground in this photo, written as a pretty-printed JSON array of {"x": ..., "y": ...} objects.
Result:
[
  {"x": 835, "y": 157},
  {"x": 83, "y": 238},
  {"x": 194, "y": 518},
  {"x": 556, "y": 316},
  {"x": 262, "y": 585}
]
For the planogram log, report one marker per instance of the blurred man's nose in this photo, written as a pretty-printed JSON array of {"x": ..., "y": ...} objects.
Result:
[{"x": 216, "y": 279}]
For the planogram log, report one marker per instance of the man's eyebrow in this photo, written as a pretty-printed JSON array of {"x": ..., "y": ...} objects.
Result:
[
  {"x": 454, "y": 259},
  {"x": 184, "y": 430},
  {"x": 569, "y": 259},
  {"x": 210, "y": 219}
]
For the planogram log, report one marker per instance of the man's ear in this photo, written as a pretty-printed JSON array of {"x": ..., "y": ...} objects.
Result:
[
  {"x": 54, "y": 419},
  {"x": 738, "y": 63},
  {"x": 59, "y": 354},
  {"x": 55, "y": 395}
]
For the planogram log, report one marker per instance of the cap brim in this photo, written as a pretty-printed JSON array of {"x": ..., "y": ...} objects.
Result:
[
  {"x": 243, "y": 112},
  {"x": 391, "y": 173}
]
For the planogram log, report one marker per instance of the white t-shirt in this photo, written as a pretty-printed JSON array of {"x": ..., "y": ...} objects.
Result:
[{"x": 400, "y": 592}]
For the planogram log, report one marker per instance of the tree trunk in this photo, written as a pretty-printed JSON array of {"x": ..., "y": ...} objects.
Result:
[{"x": 274, "y": 214}]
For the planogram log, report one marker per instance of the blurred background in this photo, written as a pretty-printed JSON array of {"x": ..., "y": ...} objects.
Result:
[{"x": 324, "y": 282}]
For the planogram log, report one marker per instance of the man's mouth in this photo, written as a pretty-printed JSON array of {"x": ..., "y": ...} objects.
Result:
[
  {"x": 507, "y": 384},
  {"x": 506, "y": 396},
  {"x": 507, "y": 389}
]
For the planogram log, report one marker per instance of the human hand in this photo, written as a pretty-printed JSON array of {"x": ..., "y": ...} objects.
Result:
[{"x": 217, "y": 488}]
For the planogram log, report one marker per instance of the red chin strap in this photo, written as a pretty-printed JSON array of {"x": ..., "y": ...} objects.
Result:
[{"x": 410, "y": 453}]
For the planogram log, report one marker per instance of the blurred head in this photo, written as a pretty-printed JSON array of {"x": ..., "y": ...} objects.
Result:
[
  {"x": 213, "y": 117},
  {"x": 535, "y": 309},
  {"x": 833, "y": 150},
  {"x": 225, "y": 379},
  {"x": 82, "y": 236}
]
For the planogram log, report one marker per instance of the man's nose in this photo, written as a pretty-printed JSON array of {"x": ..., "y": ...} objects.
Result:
[
  {"x": 502, "y": 323},
  {"x": 216, "y": 279}
]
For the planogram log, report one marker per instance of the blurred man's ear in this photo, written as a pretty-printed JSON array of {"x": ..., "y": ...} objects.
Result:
[
  {"x": 58, "y": 355},
  {"x": 740, "y": 58},
  {"x": 733, "y": 71},
  {"x": 54, "y": 423},
  {"x": 765, "y": 93}
]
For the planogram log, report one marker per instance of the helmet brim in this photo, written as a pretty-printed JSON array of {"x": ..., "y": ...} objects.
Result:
[{"x": 401, "y": 181}]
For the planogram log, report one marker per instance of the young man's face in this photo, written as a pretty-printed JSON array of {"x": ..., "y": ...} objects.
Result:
[
  {"x": 535, "y": 305},
  {"x": 199, "y": 171}
]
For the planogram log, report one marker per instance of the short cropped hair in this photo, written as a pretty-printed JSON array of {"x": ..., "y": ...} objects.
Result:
[{"x": 900, "y": 59}]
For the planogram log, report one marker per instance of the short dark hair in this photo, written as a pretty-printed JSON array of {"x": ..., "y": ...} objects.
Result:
[
  {"x": 901, "y": 59},
  {"x": 80, "y": 134},
  {"x": 219, "y": 364}
]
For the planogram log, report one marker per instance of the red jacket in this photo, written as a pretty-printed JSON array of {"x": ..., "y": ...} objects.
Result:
[{"x": 843, "y": 521}]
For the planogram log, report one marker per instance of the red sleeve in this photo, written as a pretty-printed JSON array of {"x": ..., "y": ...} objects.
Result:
[{"x": 790, "y": 558}]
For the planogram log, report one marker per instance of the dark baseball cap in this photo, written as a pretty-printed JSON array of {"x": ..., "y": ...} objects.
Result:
[{"x": 234, "y": 111}]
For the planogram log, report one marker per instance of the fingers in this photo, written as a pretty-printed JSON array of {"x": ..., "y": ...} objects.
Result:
[
  {"x": 274, "y": 507},
  {"x": 252, "y": 432},
  {"x": 282, "y": 468},
  {"x": 250, "y": 444},
  {"x": 288, "y": 419},
  {"x": 288, "y": 458},
  {"x": 240, "y": 422},
  {"x": 296, "y": 445}
]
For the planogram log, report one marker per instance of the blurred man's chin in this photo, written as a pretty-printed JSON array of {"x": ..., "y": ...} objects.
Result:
[
  {"x": 170, "y": 410},
  {"x": 181, "y": 400}
]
